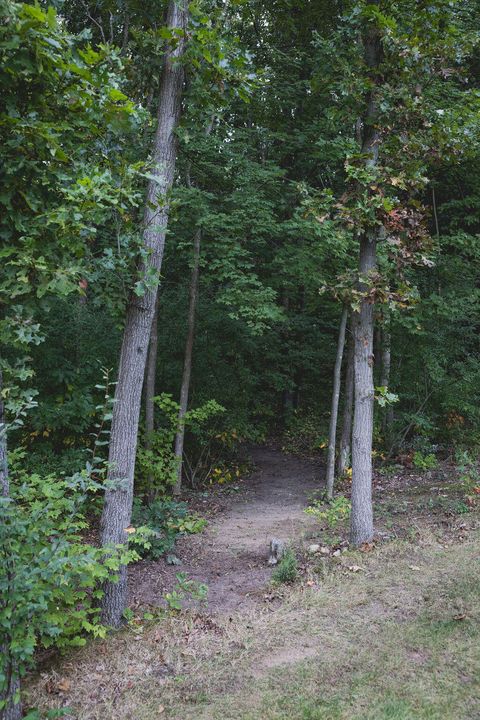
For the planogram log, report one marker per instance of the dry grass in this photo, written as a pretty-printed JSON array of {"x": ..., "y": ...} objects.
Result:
[
  {"x": 390, "y": 634},
  {"x": 397, "y": 639}
]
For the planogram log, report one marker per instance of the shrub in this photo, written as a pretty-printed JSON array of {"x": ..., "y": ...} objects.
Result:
[
  {"x": 330, "y": 512},
  {"x": 287, "y": 569},
  {"x": 184, "y": 590},
  {"x": 158, "y": 462},
  {"x": 424, "y": 462},
  {"x": 164, "y": 520},
  {"x": 306, "y": 433},
  {"x": 49, "y": 578}
]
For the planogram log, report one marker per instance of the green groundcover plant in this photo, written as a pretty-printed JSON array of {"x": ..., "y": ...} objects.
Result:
[{"x": 50, "y": 578}]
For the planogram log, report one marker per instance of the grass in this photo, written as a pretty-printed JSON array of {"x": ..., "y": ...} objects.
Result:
[
  {"x": 391, "y": 634},
  {"x": 396, "y": 640}
]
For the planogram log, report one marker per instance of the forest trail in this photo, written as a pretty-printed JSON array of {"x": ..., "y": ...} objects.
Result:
[{"x": 231, "y": 555}]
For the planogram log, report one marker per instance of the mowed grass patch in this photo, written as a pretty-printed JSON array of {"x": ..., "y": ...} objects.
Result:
[
  {"x": 396, "y": 639},
  {"x": 422, "y": 664}
]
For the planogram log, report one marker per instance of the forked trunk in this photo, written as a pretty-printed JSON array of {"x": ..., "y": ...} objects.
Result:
[
  {"x": 187, "y": 366},
  {"x": 332, "y": 435},
  {"x": 124, "y": 432},
  {"x": 344, "y": 454}
]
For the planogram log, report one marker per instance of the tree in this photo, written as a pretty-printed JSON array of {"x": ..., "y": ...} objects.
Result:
[
  {"x": 346, "y": 437},
  {"x": 150, "y": 373},
  {"x": 61, "y": 100},
  {"x": 363, "y": 320},
  {"x": 124, "y": 431},
  {"x": 332, "y": 436},
  {"x": 187, "y": 367}
]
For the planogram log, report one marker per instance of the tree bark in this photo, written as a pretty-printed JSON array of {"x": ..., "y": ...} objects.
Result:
[
  {"x": 387, "y": 418},
  {"x": 12, "y": 710},
  {"x": 124, "y": 431},
  {"x": 361, "y": 528},
  {"x": 187, "y": 366},
  {"x": 150, "y": 379},
  {"x": 346, "y": 439},
  {"x": 150, "y": 376},
  {"x": 332, "y": 435}
]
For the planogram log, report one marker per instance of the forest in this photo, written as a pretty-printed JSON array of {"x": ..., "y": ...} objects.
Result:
[{"x": 240, "y": 359}]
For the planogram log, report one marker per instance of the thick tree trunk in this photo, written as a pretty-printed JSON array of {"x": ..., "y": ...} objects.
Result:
[
  {"x": 346, "y": 439},
  {"x": 187, "y": 366},
  {"x": 361, "y": 528},
  {"x": 362, "y": 511},
  {"x": 124, "y": 432},
  {"x": 332, "y": 435},
  {"x": 12, "y": 710}
]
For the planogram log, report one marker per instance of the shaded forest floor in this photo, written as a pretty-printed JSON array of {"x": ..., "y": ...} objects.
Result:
[
  {"x": 230, "y": 556},
  {"x": 390, "y": 633}
]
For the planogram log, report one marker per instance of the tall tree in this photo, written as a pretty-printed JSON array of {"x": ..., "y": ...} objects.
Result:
[
  {"x": 10, "y": 689},
  {"x": 332, "y": 435},
  {"x": 346, "y": 438},
  {"x": 361, "y": 529},
  {"x": 187, "y": 365},
  {"x": 124, "y": 432},
  {"x": 386, "y": 360},
  {"x": 150, "y": 378}
]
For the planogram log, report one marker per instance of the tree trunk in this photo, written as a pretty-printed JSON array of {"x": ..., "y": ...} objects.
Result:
[
  {"x": 12, "y": 710},
  {"x": 187, "y": 366},
  {"x": 387, "y": 418},
  {"x": 361, "y": 528},
  {"x": 150, "y": 374},
  {"x": 124, "y": 432},
  {"x": 346, "y": 439},
  {"x": 332, "y": 435}
]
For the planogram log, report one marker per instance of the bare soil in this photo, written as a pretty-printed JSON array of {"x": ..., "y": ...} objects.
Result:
[
  {"x": 231, "y": 555},
  {"x": 388, "y": 632}
]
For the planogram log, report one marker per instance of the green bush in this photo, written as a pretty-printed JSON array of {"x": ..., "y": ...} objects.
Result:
[
  {"x": 287, "y": 569},
  {"x": 163, "y": 520},
  {"x": 424, "y": 462},
  {"x": 330, "y": 512},
  {"x": 158, "y": 462},
  {"x": 306, "y": 432},
  {"x": 49, "y": 577}
]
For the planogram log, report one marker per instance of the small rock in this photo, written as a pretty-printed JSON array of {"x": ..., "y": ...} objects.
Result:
[
  {"x": 312, "y": 549},
  {"x": 324, "y": 550},
  {"x": 336, "y": 553}
]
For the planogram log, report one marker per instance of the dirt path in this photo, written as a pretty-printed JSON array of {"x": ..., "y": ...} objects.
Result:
[{"x": 230, "y": 556}]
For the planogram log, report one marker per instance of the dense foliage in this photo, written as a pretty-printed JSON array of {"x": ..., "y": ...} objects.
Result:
[{"x": 270, "y": 170}]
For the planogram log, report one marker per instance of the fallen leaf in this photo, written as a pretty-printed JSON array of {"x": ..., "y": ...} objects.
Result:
[
  {"x": 366, "y": 547},
  {"x": 414, "y": 567},
  {"x": 64, "y": 685},
  {"x": 354, "y": 568}
]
